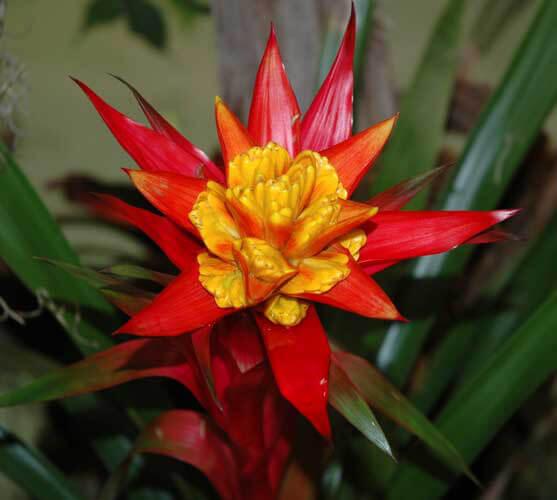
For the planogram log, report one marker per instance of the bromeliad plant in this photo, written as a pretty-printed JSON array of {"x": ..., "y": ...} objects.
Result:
[{"x": 257, "y": 242}]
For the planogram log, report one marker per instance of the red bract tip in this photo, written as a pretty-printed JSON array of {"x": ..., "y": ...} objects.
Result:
[{"x": 274, "y": 109}]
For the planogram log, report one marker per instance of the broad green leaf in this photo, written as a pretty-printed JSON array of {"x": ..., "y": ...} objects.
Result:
[
  {"x": 364, "y": 23},
  {"x": 32, "y": 471},
  {"x": 473, "y": 417},
  {"x": 419, "y": 133},
  {"x": 535, "y": 276},
  {"x": 28, "y": 230},
  {"x": 504, "y": 133},
  {"x": 345, "y": 398},
  {"x": 447, "y": 360},
  {"x": 396, "y": 350},
  {"x": 146, "y": 20},
  {"x": 96, "y": 279},
  {"x": 467, "y": 346},
  {"x": 384, "y": 396},
  {"x": 27, "y": 364},
  {"x": 100, "y": 12},
  {"x": 493, "y": 18},
  {"x": 126, "y": 297}
]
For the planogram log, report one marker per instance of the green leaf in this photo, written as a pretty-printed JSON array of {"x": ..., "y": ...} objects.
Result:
[
  {"x": 526, "y": 281},
  {"x": 533, "y": 280},
  {"x": 475, "y": 415},
  {"x": 27, "y": 230},
  {"x": 493, "y": 18},
  {"x": 396, "y": 350},
  {"x": 384, "y": 396},
  {"x": 100, "y": 12},
  {"x": 146, "y": 20},
  {"x": 96, "y": 279},
  {"x": 364, "y": 24},
  {"x": 346, "y": 399},
  {"x": 447, "y": 361},
  {"x": 189, "y": 9},
  {"x": 138, "y": 272},
  {"x": 127, "y": 361},
  {"x": 419, "y": 133},
  {"x": 126, "y": 297},
  {"x": 495, "y": 149},
  {"x": 32, "y": 471},
  {"x": 101, "y": 280}
]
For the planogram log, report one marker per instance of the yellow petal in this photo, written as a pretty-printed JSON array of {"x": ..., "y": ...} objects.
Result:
[
  {"x": 286, "y": 311},
  {"x": 264, "y": 268},
  {"x": 213, "y": 221},
  {"x": 223, "y": 280},
  {"x": 318, "y": 274},
  {"x": 353, "y": 241},
  {"x": 326, "y": 178},
  {"x": 258, "y": 165}
]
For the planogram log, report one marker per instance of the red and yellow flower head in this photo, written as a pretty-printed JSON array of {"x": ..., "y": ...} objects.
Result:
[{"x": 273, "y": 230}]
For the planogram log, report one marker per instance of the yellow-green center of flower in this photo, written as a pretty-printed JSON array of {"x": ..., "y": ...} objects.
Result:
[{"x": 277, "y": 232}]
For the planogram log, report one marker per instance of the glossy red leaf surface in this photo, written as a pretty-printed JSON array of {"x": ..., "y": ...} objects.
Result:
[
  {"x": 151, "y": 150},
  {"x": 178, "y": 246},
  {"x": 190, "y": 437},
  {"x": 181, "y": 307},
  {"x": 173, "y": 194},
  {"x": 243, "y": 404},
  {"x": 274, "y": 113},
  {"x": 201, "y": 342},
  {"x": 299, "y": 357},
  {"x": 162, "y": 126},
  {"x": 239, "y": 336},
  {"x": 353, "y": 157},
  {"x": 397, "y": 235},
  {"x": 328, "y": 120}
]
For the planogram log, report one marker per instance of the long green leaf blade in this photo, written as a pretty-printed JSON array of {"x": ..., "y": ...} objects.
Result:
[
  {"x": 481, "y": 408},
  {"x": 28, "y": 230},
  {"x": 419, "y": 133},
  {"x": 346, "y": 399},
  {"x": 505, "y": 130},
  {"x": 381, "y": 394},
  {"x": 534, "y": 278},
  {"x": 32, "y": 471}
]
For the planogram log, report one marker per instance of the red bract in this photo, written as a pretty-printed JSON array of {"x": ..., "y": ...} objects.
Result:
[{"x": 234, "y": 381}]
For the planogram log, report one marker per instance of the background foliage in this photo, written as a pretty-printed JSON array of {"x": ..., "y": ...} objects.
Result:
[{"x": 480, "y": 353}]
